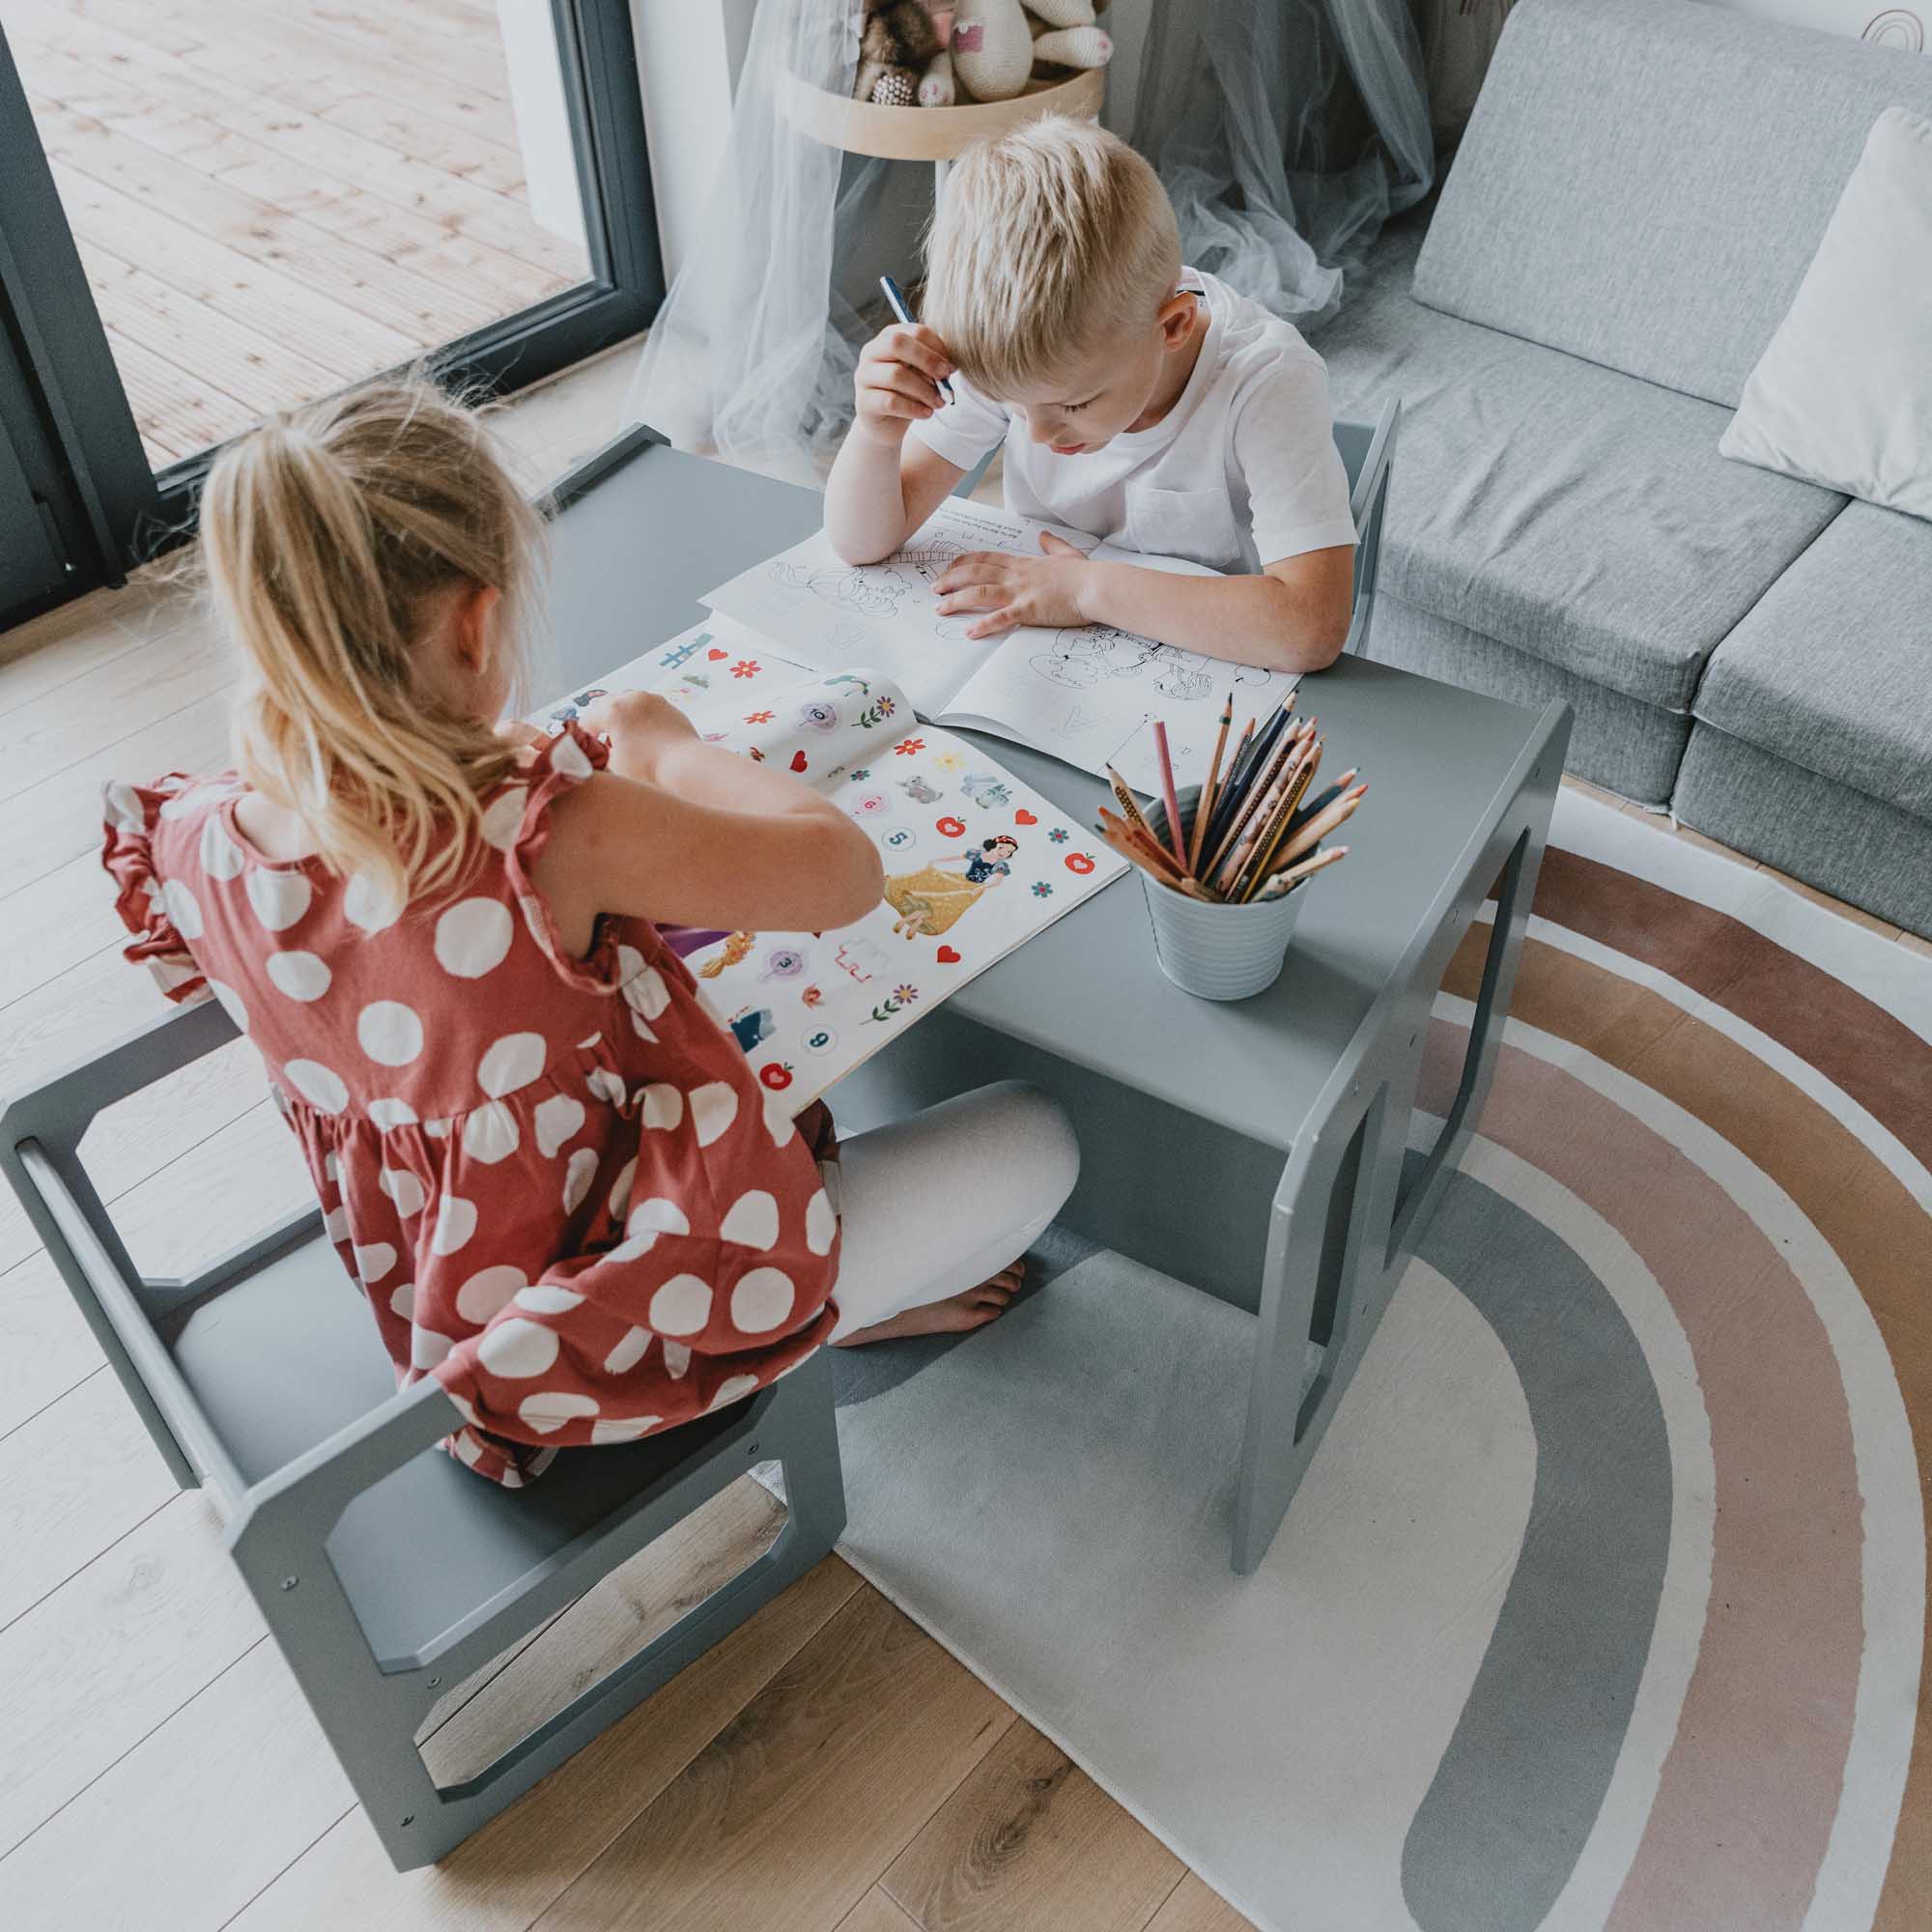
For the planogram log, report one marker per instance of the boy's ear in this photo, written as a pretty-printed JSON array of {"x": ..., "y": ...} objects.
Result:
[{"x": 1175, "y": 317}]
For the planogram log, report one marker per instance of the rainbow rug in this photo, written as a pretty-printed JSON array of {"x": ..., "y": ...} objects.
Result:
[{"x": 1603, "y": 1603}]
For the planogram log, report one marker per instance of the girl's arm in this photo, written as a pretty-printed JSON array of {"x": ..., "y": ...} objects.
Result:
[{"x": 686, "y": 834}]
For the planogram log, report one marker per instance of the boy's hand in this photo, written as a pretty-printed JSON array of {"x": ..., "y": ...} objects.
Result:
[
  {"x": 897, "y": 383},
  {"x": 1045, "y": 590}
]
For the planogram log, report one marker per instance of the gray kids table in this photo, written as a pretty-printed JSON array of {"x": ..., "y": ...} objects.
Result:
[{"x": 1255, "y": 1150}]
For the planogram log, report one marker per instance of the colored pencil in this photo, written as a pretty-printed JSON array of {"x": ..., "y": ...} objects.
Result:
[
  {"x": 1130, "y": 808},
  {"x": 1177, "y": 835},
  {"x": 1283, "y": 883},
  {"x": 1203, "y": 809},
  {"x": 1141, "y": 846},
  {"x": 1324, "y": 799},
  {"x": 1251, "y": 770},
  {"x": 1261, "y": 816},
  {"x": 1262, "y": 860},
  {"x": 1322, "y": 823},
  {"x": 1293, "y": 745},
  {"x": 897, "y": 301}
]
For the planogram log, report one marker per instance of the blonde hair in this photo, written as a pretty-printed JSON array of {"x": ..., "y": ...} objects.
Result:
[
  {"x": 1049, "y": 237},
  {"x": 327, "y": 535}
]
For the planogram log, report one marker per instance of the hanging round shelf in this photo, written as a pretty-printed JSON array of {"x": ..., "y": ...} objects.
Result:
[{"x": 931, "y": 133}]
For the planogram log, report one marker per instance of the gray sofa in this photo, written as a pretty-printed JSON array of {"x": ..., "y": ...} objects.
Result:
[{"x": 1639, "y": 193}]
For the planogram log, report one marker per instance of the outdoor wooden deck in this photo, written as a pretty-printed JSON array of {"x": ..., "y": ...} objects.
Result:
[{"x": 274, "y": 198}]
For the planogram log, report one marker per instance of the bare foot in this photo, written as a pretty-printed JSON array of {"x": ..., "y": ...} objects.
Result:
[{"x": 953, "y": 1316}]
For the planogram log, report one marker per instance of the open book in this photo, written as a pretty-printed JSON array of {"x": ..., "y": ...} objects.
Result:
[
  {"x": 976, "y": 863},
  {"x": 1085, "y": 694}
]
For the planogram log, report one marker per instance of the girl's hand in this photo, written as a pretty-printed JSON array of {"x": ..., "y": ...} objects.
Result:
[
  {"x": 897, "y": 383},
  {"x": 641, "y": 728},
  {"x": 1046, "y": 590},
  {"x": 514, "y": 731}
]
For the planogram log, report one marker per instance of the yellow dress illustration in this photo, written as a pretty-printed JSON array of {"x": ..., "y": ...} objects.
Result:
[{"x": 932, "y": 900}]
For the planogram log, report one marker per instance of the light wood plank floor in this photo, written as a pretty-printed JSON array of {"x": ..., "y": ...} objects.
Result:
[
  {"x": 830, "y": 1768},
  {"x": 276, "y": 198}
]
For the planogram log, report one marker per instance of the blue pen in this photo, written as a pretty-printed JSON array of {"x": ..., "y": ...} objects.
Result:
[{"x": 904, "y": 314}]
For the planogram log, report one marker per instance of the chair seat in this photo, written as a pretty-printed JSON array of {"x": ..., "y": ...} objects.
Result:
[
  {"x": 286, "y": 1355},
  {"x": 1571, "y": 512}
]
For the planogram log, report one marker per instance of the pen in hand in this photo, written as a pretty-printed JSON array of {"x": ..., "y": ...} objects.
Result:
[{"x": 904, "y": 314}]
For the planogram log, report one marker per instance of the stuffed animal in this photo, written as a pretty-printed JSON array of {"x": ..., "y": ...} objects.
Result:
[
  {"x": 1085, "y": 45},
  {"x": 993, "y": 48},
  {"x": 895, "y": 48},
  {"x": 917, "y": 50}
]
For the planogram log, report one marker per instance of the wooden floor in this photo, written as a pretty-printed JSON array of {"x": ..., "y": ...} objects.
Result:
[
  {"x": 276, "y": 198},
  {"x": 828, "y": 1769}
]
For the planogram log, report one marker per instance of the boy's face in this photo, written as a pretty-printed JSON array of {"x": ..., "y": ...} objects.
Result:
[{"x": 1127, "y": 380}]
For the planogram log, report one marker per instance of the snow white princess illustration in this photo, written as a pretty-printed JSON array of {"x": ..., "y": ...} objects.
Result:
[{"x": 931, "y": 900}]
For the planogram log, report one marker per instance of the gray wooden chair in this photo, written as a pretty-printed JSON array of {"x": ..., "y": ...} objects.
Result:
[
  {"x": 386, "y": 1571},
  {"x": 1367, "y": 451}
]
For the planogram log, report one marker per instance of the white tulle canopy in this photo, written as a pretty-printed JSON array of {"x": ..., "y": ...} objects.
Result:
[{"x": 1286, "y": 133}]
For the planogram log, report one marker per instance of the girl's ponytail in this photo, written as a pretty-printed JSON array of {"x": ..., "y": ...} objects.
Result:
[{"x": 328, "y": 538}]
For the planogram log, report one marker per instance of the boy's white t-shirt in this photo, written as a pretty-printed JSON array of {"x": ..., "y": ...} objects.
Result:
[{"x": 1243, "y": 470}]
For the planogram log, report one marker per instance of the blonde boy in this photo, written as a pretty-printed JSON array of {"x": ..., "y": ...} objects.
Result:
[{"x": 1139, "y": 400}]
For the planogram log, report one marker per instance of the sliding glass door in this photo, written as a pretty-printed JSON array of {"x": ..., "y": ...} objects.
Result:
[{"x": 241, "y": 206}]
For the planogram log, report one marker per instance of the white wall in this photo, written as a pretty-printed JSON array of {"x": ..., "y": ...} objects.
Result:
[{"x": 1908, "y": 27}]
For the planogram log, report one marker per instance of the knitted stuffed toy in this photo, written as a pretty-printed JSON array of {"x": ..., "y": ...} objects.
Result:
[
  {"x": 904, "y": 52},
  {"x": 896, "y": 47}
]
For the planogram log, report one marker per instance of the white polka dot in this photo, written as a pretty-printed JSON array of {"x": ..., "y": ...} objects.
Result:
[
  {"x": 462, "y": 1407},
  {"x": 403, "y": 1300},
  {"x": 555, "y": 1121},
  {"x": 541, "y": 1297},
  {"x": 677, "y": 1359},
  {"x": 331, "y": 1168},
  {"x": 183, "y": 908},
  {"x": 821, "y": 1223},
  {"x": 607, "y": 1085},
  {"x": 390, "y": 1032},
  {"x": 655, "y": 1216},
  {"x": 620, "y": 1190},
  {"x": 230, "y": 1002},
  {"x": 488, "y": 1291},
  {"x": 374, "y": 1262},
  {"x": 335, "y": 1224},
  {"x": 663, "y": 1105},
  {"x": 367, "y": 904},
  {"x": 624, "y": 1428},
  {"x": 646, "y": 993},
  {"x": 317, "y": 1084},
  {"x": 761, "y": 1300},
  {"x": 405, "y": 1190},
  {"x": 504, "y": 816},
  {"x": 280, "y": 898},
  {"x": 124, "y": 805},
  {"x": 387, "y": 1114},
  {"x": 194, "y": 798},
  {"x": 551, "y": 1408},
  {"x": 455, "y": 1223},
  {"x": 472, "y": 937},
  {"x": 301, "y": 975},
  {"x": 566, "y": 756},
  {"x": 713, "y": 1109},
  {"x": 641, "y": 1028},
  {"x": 578, "y": 1176},
  {"x": 220, "y": 856},
  {"x": 516, "y": 1349},
  {"x": 437, "y": 1130},
  {"x": 734, "y": 1388},
  {"x": 468, "y": 1448},
  {"x": 777, "y": 1121},
  {"x": 511, "y": 1062},
  {"x": 753, "y": 1222},
  {"x": 682, "y": 1306},
  {"x": 628, "y": 1352},
  {"x": 490, "y": 1134},
  {"x": 427, "y": 1348}
]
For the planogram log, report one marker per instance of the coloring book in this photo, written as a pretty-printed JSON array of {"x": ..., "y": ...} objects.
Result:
[
  {"x": 976, "y": 863},
  {"x": 1085, "y": 694}
]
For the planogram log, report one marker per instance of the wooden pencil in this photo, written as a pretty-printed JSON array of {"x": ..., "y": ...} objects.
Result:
[
  {"x": 1294, "y": 744},
  {"x": 1322, "y": 824},
  {"x": 1204, "y": 807},
  {"x": 1130, "y": 808},
  {"x": 1262, "y": 860},
  {"x": 1286, "y": 882},
  {"x": 1145, "y": 850},
  {"x": 1177, "y": 833}
]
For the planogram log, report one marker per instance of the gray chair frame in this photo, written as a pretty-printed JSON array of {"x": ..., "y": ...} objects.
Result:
[
  {"x": 1368, "y": 451},
  {"x": 541, "y": 1546}
]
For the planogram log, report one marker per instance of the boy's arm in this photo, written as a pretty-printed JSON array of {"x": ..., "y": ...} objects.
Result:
[{"x": 1293, "y": 617}]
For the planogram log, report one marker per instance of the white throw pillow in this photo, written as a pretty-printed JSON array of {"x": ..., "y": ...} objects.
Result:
[{"x": 1842, "y": 395}]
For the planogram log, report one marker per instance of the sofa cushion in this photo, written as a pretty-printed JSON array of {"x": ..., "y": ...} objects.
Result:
[
  {"x": 1833, "y": 669},
  {"x": 1566, "y": 510},
  {"x": 1643, "y": 183}
]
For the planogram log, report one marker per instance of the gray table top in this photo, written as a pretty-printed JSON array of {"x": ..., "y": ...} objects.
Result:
[{"x": 634, "y": 554}]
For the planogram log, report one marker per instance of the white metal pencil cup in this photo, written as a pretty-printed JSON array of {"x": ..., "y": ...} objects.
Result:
[{"x": 1216, "y": 952}]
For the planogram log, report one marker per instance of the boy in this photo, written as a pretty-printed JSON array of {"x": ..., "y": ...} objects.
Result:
[{"x": 1138, "y": 400}]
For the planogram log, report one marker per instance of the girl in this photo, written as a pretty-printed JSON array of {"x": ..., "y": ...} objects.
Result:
[{"x": 553, "y": 1175}]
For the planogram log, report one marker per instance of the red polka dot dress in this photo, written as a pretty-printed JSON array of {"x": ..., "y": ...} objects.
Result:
[{"x": 557, "y": 1181}]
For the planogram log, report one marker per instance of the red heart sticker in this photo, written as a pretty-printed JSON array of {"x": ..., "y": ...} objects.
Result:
[
  {"x": 948, "y": 958},
  {"x": 1080, "y": 861},
  {"x": 1023, "y": 817},
  {"x": 951, "y": 828},
  {"x": 714, "y": 656},
  {"x": 798, "y": 761}
]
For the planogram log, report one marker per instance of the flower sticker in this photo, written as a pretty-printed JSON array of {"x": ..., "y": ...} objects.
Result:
[
  {"x": 876, "y": 712},
  {"x": 906, "y": 748},
  {"x": 901, "y": 998},
  {"x": 747, "y": 667},
  {"x": 1057, "y": 835},
  {"x": 759, "y": 716},
  {"x": 1042, "y": 890},
  {"x": 863, "y": 772},
  {"x": 948, "y": 761}
]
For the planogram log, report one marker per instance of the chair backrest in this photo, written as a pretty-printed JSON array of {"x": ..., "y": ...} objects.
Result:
[
  {"x": 1367, "y": 451},
  {"x": 1644, "y": 183}
]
